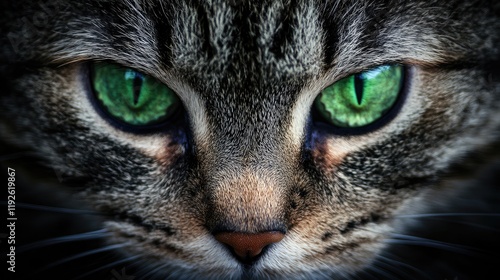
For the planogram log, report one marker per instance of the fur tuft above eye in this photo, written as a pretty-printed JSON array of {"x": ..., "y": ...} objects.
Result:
[{"x": 131, "y": 97}]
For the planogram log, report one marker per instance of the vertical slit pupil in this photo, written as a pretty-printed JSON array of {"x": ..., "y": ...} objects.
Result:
[
  {"x": 137, "y": 84},
  {"x": 358, "y": 88}
]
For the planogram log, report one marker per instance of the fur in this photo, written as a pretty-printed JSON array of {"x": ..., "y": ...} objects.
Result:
[{"x": 247, "y": 156}]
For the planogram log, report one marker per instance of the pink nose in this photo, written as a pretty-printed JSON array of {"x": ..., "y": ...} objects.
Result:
[{"x": 249, "y": 245}]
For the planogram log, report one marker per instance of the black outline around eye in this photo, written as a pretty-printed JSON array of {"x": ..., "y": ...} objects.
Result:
[
  {"x": 176, "y": 119},
  {"x": 320, "y": 123}
]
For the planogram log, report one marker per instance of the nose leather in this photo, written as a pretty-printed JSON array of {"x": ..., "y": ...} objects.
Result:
[{"x": 249, "y": 245}]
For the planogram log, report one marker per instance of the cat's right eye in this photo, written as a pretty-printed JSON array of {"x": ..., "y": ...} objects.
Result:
[{"x": 131, "y": 97}]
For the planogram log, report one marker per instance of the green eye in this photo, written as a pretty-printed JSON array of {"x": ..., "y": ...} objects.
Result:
[
  {"x": 132, "y": 97},
  {"x": 361, "y": 99}
]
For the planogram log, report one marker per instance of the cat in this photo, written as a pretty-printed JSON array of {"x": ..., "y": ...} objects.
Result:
[{"x": 301, "y": 139}]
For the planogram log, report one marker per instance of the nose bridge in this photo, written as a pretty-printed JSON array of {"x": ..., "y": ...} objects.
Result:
[
  {"x": 250, "y": 131},
  {"x": 247, "y": 176},
  {"x": 250, "y": 202},
  {"x": 247, "y": 114},
  {"x": 247, "y": 163}
]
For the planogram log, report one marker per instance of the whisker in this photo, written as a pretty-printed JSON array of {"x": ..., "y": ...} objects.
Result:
[
  {"x": 106, "y": 266},
  {"x": 52, "y": 209},
  {"x": 84, "y": 254},
  {"x": 403, "y": 239},
  {"x": 410, "y": 267},
  {"x": 437, "y": 216},
  {"x": 418, "y": 238},
  {"x": 489, "y": 228},
  {"x": 430, "y": 215},
  {"x": 379, "y": 270},
  {"x": 392, "y": 265},
  {"x": 429, "y": 244},
  {"x": 154, "y": 271},
  {"x": 469, "y": 224},
  {"x": 353, "y": 276},
  {"x": 365, "y": 272},
  {"x": 420, "y": 241},
  {"x": 63, "y": 239}
]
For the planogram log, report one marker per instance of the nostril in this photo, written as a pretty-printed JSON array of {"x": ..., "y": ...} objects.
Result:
[{"x": 249, "y": 245}]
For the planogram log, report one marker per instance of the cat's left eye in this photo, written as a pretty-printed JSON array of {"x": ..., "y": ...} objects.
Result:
[
  {"x": 131, "y": 97},
  {"x": 361, "y": 99}
]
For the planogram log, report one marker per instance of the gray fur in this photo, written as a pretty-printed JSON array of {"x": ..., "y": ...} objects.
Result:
[{"x": 248, "y": 74}]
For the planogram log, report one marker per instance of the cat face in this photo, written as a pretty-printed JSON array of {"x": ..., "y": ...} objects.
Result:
[{"x": 254, "y": 143}]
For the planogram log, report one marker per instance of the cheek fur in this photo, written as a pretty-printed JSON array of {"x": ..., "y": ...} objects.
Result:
[
  {"x": 170, "y": 154},
  {"x": 326, "y": 155}
]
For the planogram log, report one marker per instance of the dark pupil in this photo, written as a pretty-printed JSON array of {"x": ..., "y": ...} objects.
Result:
[
  {"x": 358, "y": 88},
  {"x": 137, "y": 84}
]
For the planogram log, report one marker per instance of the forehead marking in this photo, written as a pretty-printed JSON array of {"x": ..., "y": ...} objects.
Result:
[{"x": 214, "y": 39}]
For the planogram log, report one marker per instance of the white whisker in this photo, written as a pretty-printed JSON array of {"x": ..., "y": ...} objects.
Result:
[
  {"x": 402, "y": 239},
  {"x": 431, "y": 215},
  {"x": 63, "y": 239},
  {"x": 409, "y": 267},
  {"x": 83, "y": 276},
  {"x": 391, "y": 265},
  {"x": 84, "y": 254},
  {"x": 154, "y": 271},
  {"x": 381, "y": 271},
  {"x": 53, "y": 209}
]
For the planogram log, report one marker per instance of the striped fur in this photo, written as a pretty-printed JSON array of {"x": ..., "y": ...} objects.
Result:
[{"x": 247, "y": 156}]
